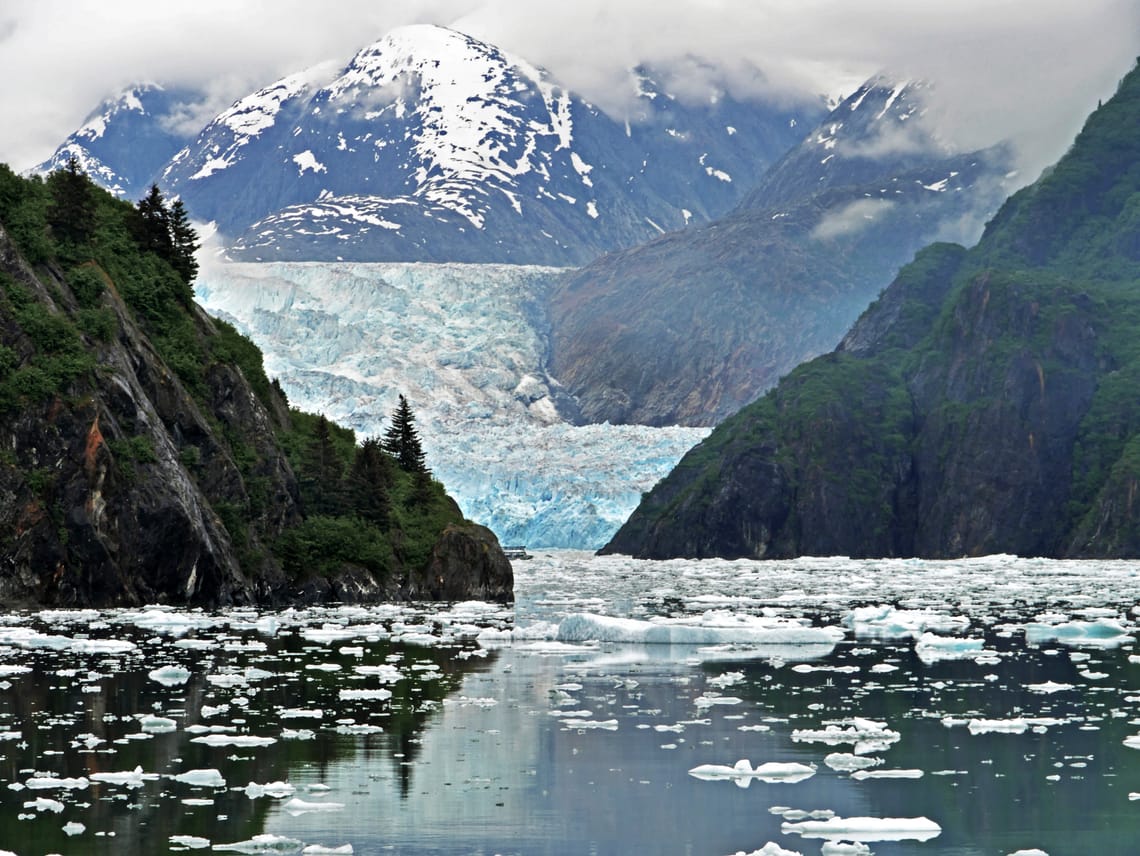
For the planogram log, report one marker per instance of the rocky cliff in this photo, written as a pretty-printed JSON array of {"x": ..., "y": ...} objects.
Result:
[
  {"x": 144, "y": 456},
  {"x": 985, "y": 403}
]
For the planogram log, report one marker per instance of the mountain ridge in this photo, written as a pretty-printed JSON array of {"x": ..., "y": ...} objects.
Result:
[{"x": 983, "y": 404}]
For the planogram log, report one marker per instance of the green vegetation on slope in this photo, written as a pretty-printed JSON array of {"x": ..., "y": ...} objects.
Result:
[{"x": 354, "y": 506}]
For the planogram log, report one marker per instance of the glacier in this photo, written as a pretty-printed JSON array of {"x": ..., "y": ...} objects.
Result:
[{"x": 467, "y": 344}]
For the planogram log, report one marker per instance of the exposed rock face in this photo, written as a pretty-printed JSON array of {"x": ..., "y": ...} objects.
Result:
[
  {"x": 123, "y": 488},
  {"x": 466, "y": 563},
  {"x": 986, "y": 403},
  {"x": 688, "y": 328}
]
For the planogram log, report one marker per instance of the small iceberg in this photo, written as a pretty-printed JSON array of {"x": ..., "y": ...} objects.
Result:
[
  {"x": 743, "y": 773},
  {"x": 710, "y": 628},
  {"x": 867, "y": 828},
  {"x": 1103, "y": 633}
]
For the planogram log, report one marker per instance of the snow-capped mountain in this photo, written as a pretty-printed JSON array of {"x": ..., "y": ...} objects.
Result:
[
  {"x": 128, "y": 139},
  {"x": 430, "y": 145},
  {"x": 467, "y": 345}
]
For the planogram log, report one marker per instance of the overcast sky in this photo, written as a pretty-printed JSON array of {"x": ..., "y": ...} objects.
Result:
[{"x": 1026, "y": 69}]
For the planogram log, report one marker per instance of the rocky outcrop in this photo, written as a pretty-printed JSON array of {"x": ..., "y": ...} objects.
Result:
[
  {"x": 986, "y": 403},
  {"x": 466, "y": 563}
]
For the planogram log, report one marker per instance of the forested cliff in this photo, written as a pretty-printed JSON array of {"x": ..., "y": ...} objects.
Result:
[
  {"x": 146, "y": 457},
  {"x": 988, "y": 401}
]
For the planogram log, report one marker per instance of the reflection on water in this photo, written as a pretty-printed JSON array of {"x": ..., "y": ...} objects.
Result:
[{"x": 395, "y": 731}]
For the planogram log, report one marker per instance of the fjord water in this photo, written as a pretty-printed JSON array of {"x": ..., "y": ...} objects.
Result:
[{"x": 998, "y": 699}]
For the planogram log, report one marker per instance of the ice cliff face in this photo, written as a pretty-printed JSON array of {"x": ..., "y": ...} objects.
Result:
[{"x": 467, "y": 345}]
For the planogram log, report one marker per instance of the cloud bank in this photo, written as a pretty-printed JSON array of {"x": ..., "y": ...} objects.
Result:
[{"x": 1029, "y": 70}]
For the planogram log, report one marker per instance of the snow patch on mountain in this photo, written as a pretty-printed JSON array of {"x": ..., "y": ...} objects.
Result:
[{"x": 467, "y": 345}]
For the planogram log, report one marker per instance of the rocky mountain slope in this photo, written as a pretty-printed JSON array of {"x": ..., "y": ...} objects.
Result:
[
  {"x": 146, "y": 458},
  {"x": 986, "y": 403},
  {"x": 430, "y": 145},
  {"x": 691, "y": 326}
]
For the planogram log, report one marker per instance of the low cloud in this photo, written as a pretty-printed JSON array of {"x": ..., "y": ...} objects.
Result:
[
  {"x": 851, "y": 219},
  {"x": 1026, "y": 70}
]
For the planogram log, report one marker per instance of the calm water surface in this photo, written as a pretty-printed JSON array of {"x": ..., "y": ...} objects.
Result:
[{"x": 436, "y": 730}]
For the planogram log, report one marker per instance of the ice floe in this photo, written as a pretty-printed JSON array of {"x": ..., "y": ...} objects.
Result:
[
  {"x": 743, "y": 773},
  {"x": 867, "y": 828},
  {"x": 711, "y": 628}
]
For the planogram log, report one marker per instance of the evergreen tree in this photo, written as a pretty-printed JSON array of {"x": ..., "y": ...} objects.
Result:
[
  {"x": 402, "y": 441},
  {"x": 322, "y": 485},
  {"x": 71, "y": 214},
  {"x": 370, "y": 482},
  {"x": 153, "y": 224},
  {"x": 184, "y": 242}
]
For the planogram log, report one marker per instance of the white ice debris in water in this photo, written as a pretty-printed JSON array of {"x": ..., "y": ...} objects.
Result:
[
  {"x": 769, "y": 849},
  {"x": 278, "y": 790},
  {"x": 297, "y": 806},
  {"x": 264, "y": 843},
  {"x": 887, "y": 774},
  {"x": 73, "y": 827},
  {"x": 201, "y": 778},
  {"x": 131, "y": 779},
  {"x": 321, "y": 850},
  {"x": 370, "y": 695},
  {"x": 1002, "y": 726},
  {"x": 44, "y": 783},
  {"x": 1034, "y": 852},
  {"x": 742, "y": 773},
  {"x": 846, "y": 762},
  {"x": 189, "y": 842},
  {"x": 44, "y": 804},
  {"x": 1048, "y": 687},
  {"x": 845, "y": 848},
  {"x": 867, "y": 735},
  {"x": 710, "y": 628},
  {"x": 932, "y": 648},
  {"x": 169, "y": 676},
  {"x": 866, "y": 828},
  {"x": 889, "y": 622},
  {"x": 233, "y": 740},
  {"x": 1103, "y": 632},
  {"x": 157, "y": 724}
]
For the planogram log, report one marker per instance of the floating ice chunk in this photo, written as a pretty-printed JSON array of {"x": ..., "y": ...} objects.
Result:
[
  {"x": 769, "y": 849},
  {"x": 1132, "y": 742},
  {"x": 845, "y": 848},
  {"x": 883, "y": 668},
  {"x": 1004, "y": 726},
  {"x": 264, "y": 843},
  {"x": 867, "y": 735},
  {"x": 1048, "y": 687},
  {"x": 845, "y": 762},
  {"x": 1103, "y": 632},
  {"x": 278, "y": 790},
  {"x": 201, "y": 778},
  {"x": 233, "y": 740},
  {"x": 45, "y": 783},
  {"x": 1034, "y": 852},
  {"x": 711, "y": 699},
  {"x": 742, "y": 773},
  {"x": 888, "y": 622},
  {"x": 321, "y": 850},
  {"x": 932, "y": 648},
  {"x": 603, "y": 725},
  {"x": 887, "y": 774},
  {"x": 302, "y": 713},
  {"x": 169, "y": 676},
  {"x": 189, "y": 842},
  {"x": 866, "y": 828},
  {"x": 73, "y": 827},
  {"x": 44, "y": 804},
  {"x": 464, "y": 701},
  {"x": 131, "y": 779},
  {"x": 157, "y": 724},
  {"x": 725, "y": 680},
  {"x": 298, "y": 734},
  {"x": 711, "y": 628},
  {"x": 372, "y": 695},
  {"x": 297, "y": 806}
]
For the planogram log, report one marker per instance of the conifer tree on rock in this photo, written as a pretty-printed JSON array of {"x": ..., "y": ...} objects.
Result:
[
  {"x": 370, "y": 482},
  {"x": 72, "y": 212},
  {"x": 402, "y": 441}
]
